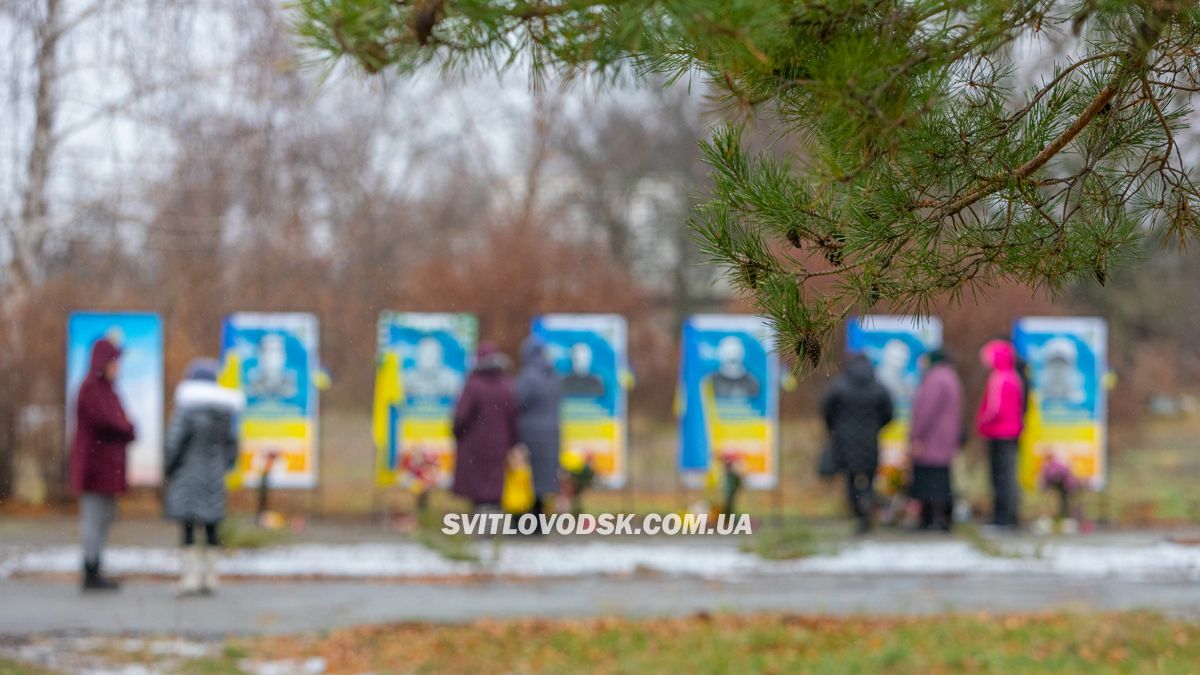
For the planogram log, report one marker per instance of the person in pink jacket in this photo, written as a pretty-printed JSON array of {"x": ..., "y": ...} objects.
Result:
[{"x": 999, "y": 422}]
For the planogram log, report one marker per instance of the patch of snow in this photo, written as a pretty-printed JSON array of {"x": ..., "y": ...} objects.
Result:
[
  {"x": 179, "y": 648},
  {"x": 92, "y": 655},
  {"x": 1154, "y": 561},
  {"x": 311, "y": 666}
]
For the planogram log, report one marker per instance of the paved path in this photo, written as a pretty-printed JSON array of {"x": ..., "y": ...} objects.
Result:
[
  {"x": 41, "y": 607},
  {"x": 886, "y": 575}
]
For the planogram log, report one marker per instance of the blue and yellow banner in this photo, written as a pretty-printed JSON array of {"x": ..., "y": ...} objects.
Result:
[
  {"x": 272, "y": 359},
  {"x": 1067, "y": 412},
  {"x": 728, "y": 398},
  {"x": 422, "y": 362},
  {"x": 139, "y": 382},
  {"x": 590, "y": 352},
  {"x": 895, "y": 345}
]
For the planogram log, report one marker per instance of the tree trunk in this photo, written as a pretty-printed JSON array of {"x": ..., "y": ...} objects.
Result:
[
  {"x": 31, "y": 229},
  {"x": 8, "y": 449}
]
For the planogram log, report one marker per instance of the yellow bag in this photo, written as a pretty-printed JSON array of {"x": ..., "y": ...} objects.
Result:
[{"x": 517, "y": 496}]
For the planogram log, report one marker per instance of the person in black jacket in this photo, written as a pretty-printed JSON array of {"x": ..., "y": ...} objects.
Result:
[{"x": 855, "y": 409}]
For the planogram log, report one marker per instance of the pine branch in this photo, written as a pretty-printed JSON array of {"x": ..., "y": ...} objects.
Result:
[{"x": 914, "y": 171}]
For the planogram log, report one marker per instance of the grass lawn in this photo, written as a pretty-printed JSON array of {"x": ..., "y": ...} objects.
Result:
[
  {"x": 10, "y": 667},
  {"x": 1153, "y": 471},
  {"x": 1136, "y": 642},
  {"x": 1061, "y": 643}
]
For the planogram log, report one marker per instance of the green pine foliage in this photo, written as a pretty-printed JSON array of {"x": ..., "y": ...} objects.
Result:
[{"x": 914, "y": 162}]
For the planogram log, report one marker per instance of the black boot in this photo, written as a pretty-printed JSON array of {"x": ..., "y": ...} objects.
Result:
[{"x": 93, "y": 581}]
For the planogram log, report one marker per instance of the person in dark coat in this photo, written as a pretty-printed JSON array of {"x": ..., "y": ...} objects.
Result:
[
  {"x": 855, "y": 409},
  {"x": 102, "y": 433},
  {"x": 935, "y": 433},
  {"x": 539, "y": 398},
  {"x": 485, "y": 429},
  {"x": 201, "y": 447}
]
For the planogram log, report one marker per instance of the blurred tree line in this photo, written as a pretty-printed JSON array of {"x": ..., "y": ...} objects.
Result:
[
  {"x": 177, "y": 157},
  {"x": 193, "y": 168}
]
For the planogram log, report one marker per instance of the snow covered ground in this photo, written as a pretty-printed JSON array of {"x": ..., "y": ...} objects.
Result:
[{"x": 1153, "y": 561}]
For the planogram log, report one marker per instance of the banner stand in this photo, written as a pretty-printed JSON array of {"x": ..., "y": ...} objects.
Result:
[
  {"x": 1105, "y": 508},
  {"x": 777, "y": 492},
  {"x": 377, "y": 516},
  {"x": 317, "y": 494},
  {"x": 627, "y": 496},
  {"x": 680, "y": 497}
]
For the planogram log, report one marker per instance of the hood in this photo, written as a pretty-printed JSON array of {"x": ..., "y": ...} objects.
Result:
[
  {"x": 489, "y": 358},
  {"x": 999, "y": 355},
  {"x": 205, "y": 394},
  {"x": 859, "y": 369},
  {"x": 486, "y": 348},
  {"x": 104, "y": 352},
  {"x": 533, "y": 351},
  {"x": 203, "y": 368}
]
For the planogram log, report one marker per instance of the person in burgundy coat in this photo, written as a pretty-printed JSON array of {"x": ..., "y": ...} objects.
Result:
[
  {"x": 102, "y": 433},
  {"x": 485, "y": 428}
]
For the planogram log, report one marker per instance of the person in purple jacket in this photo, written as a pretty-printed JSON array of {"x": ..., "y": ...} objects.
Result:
[{"x": 935, "y": 434}]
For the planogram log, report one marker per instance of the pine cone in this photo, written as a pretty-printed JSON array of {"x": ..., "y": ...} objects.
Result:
[
  {"x": 793, "y": 237},
  {"x": 809, "y": 349},
  {"x": 424, "y": 17}
]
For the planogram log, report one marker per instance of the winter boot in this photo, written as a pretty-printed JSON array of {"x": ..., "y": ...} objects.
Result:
[
  {"x": 209, "y": 579},
  {"x": 190, "y": 572},
  {"x": 94, "y": 581}
]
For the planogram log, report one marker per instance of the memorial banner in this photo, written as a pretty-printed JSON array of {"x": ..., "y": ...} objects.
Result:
[
  {"x": 590, "y": 353},
  {"x": 895, "y": 344},
  {"x": 139, "y": 381},
  {"x": 728, "y": 398},
  {"x": 1067, "y": 406},
  {"x": 422, "y": 362},
  {"x": 272, "y": 358}
]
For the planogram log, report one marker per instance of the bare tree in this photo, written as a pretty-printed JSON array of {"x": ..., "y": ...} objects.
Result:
[{"x": 637, "y": 174}]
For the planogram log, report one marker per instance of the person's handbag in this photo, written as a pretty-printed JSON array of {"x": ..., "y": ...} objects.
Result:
[
  {"x": 827, "y": 461},
  {"x": 517, "y": 495}
]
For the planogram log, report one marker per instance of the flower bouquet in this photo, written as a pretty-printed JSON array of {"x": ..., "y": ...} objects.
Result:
[
  {"x": 1057, "y": 475},
  {"x": 732, "y": 462},
  {"x": 577, "y": 475},
  {"x": 421, "y": 471},
  {"x": 893, "y": 494},
  {"x": 723, "y": 483}
]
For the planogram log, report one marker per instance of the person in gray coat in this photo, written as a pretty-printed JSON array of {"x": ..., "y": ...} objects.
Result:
[
  {"x": 201, "y": 447},
  {"x": 539, "y": 397}
]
